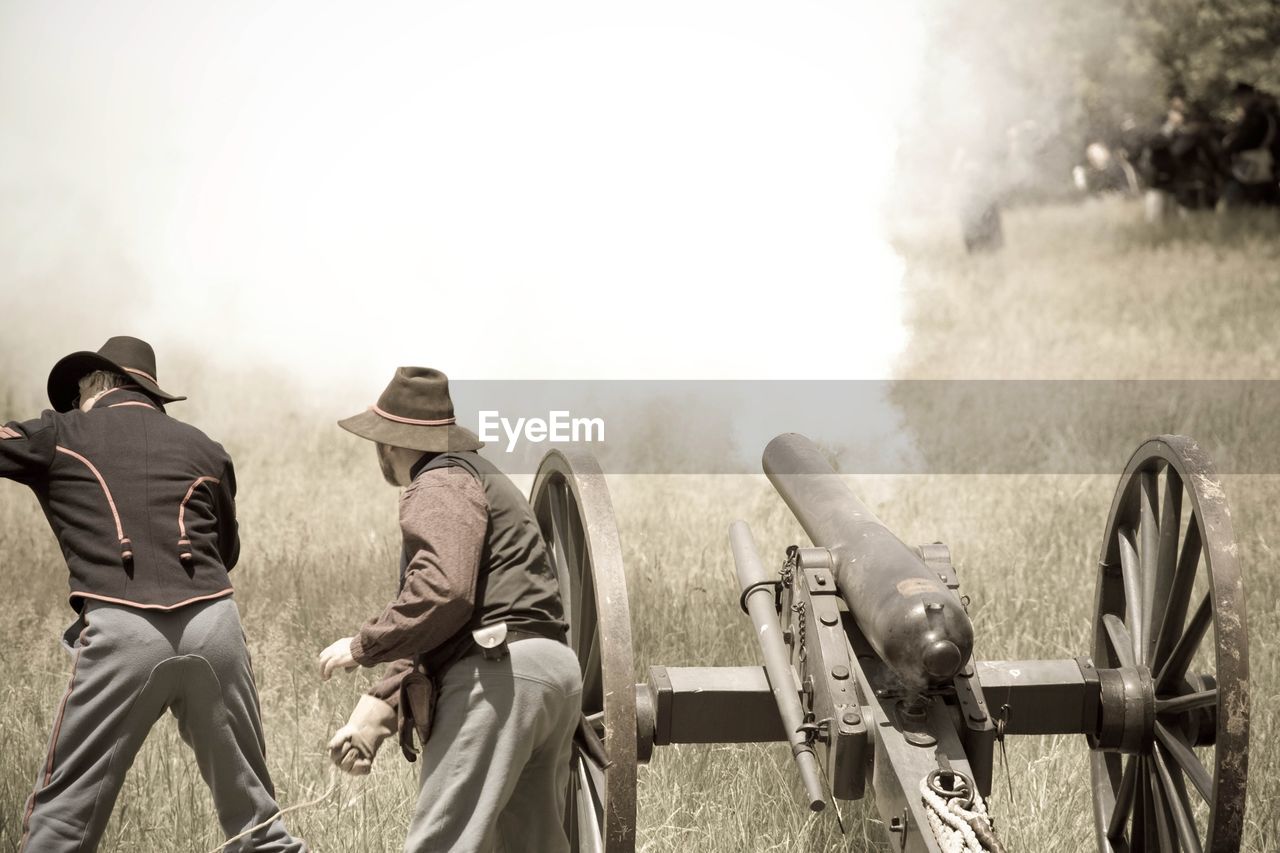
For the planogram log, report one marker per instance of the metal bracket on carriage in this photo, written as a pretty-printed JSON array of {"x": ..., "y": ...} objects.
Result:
[{"x": 977, "y": 729}]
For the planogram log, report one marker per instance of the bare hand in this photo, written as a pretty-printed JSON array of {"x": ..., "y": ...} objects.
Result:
[{"x": 335, "y": 657}]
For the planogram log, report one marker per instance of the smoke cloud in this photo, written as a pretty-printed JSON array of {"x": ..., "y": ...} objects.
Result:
[{"x": 503, "y": 190}]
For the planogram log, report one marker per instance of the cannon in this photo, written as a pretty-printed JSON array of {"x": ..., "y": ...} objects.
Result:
[{"x": 869, "y": 673}]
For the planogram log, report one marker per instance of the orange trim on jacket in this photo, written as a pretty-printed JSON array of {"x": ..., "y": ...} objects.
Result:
[
  {"x": 140, "y": 605},
  {"x": 115, "y": 514},
  {"x": 182, "y": 508}
]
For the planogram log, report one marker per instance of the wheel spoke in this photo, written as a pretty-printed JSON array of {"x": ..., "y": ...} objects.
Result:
[
  {"x": 1141, "y": 826},
  {"x": 592, "y": 689},
  {"x": 1159, "y": 811},
  {"x": 1166, "y": 559},
  {"x": 1132, "y": 586},
  {"x": 581, "y": 612},
  {"x": 1179, "y": 785},
  {"x": 595, "y": 775},
  {"x": 585, "y": 613},
  {"x": 1179, "y": 595},
  {"x": 1148, "y": 550},
  {"x": 1186, "y": 759},
  {"x": 564, "y": 571},
  {"x": 589, "y": 811},
  {"x": 1176, "y": 666},
  {"x": 568, "y": 532},
  {"x": 1175, "y": 797},
  {"x": 1124, "y": 800},
  {"x": 1118, "y": 637},
  {"x": 1187, "y": 702}
]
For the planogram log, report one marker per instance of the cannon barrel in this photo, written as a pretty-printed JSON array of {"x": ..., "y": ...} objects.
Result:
[{"x": 914, "y": 623}]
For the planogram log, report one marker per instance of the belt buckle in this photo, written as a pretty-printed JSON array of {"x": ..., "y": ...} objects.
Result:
[{"x": 492, "y": 640}]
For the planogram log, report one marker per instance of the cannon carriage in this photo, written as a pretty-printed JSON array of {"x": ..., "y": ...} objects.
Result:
[{"x": 869, "y": 671}]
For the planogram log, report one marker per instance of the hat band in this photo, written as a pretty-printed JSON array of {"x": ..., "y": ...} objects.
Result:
[
  {"x": 414, "y": 421},
  {"x": 141, "y": 373}
]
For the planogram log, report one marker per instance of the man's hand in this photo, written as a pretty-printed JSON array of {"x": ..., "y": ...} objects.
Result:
[
  {"x": 354, "y": 745},
  {"x": 337, "y": 656}
]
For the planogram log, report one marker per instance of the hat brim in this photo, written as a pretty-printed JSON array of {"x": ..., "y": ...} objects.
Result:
[
  {"x": 64, "y": 380},
  {"x": 429, "y": 439}
]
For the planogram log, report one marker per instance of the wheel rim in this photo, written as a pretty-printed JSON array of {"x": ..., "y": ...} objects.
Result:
[
  {"x": 571, "y": 502},
  {"x": 1170, "y": 602}
]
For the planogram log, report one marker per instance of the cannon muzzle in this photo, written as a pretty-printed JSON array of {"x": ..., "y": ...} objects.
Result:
[{"x": 908, "y": 615}]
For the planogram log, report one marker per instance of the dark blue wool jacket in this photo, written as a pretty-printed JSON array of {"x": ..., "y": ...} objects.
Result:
[{"x": 142, "y": 505}]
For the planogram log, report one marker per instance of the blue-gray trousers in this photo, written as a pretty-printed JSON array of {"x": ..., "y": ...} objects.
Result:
[
  {"x": 130, "y": 666},
  {"x": 495, "y": 769}
]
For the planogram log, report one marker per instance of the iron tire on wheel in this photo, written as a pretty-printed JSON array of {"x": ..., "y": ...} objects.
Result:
[
  {"x": 1167, "y": 574},
  {"x": 573, "y": 508}
]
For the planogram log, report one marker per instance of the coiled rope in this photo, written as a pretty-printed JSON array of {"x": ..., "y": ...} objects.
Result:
[{"x": 959, "y": 819}]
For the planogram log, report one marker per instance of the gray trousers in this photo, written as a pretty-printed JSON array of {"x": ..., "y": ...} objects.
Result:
[
  {"x": 130, "y": 666},
  {"x": 495, "y": 768}
]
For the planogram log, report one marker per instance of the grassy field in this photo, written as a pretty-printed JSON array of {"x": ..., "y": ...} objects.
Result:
[{"x": 1078, "y": 292}]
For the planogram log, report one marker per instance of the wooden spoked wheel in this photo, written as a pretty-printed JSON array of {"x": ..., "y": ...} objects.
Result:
[
  {"x": 1171, "y": 610},
  {"x": 572, "y": 505}
]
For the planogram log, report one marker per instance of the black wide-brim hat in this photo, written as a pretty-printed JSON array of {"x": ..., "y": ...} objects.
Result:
[
  {"x": 415, "y": 411},
  {"x": 130, "y": 357}
]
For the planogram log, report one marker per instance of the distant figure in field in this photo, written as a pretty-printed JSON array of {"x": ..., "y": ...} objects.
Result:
[
  {"x": 143, "y": 507},
  {"x": 1252, "y": 148},
  {"x": 978, "y": 184},
  {"x": 1179, "y": 162},
  {"x": 1106, "y": 170}
]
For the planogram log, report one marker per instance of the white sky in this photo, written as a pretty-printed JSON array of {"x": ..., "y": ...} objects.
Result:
[{"x": 502, "y": 190}]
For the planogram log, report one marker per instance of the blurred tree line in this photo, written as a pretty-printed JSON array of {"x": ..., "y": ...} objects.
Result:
[
  {"x": 1014, "y": 91},
  {"x": 1207, "y": 46}
]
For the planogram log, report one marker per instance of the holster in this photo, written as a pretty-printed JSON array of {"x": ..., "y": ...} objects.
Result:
[
  {"x": 418, "y": 690},
  {"x": 415, "y": 710}
]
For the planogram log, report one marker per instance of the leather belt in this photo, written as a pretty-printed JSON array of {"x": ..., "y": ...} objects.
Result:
[{"x": 492, "y": 640}]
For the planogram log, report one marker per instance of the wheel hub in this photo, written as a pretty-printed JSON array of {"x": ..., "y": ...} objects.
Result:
[{"x": 1126, "y": 710}]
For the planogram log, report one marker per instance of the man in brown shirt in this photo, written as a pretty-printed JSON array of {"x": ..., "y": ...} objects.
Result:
[{"x": 478, "y": 617}]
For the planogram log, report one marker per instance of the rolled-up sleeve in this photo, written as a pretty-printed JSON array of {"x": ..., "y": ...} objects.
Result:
[
  {"x": 443, "y": 517},
  {"x": 27, "y": 448}
]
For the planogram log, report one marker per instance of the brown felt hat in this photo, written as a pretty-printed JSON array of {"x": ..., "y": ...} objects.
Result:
[
  {"x": 415, "y": 411},
  {"x": 127, "y": 356}
]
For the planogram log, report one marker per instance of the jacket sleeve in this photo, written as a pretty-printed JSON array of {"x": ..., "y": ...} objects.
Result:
[
  {"x": 228, "y": 525},
  {"x": 443, "y": 517},
  {"x": 387, "y": 688},
  {"x": 27, "y": 448}
]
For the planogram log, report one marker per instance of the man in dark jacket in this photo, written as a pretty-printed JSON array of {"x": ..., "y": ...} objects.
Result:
[
  {"x": 143, "y": 507},
  {"x": 1250, "y": 147},
  {"x": 478, "y": 611}
]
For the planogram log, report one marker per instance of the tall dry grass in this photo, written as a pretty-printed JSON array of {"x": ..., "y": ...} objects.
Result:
[{"x": 1078, "y": 292}]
